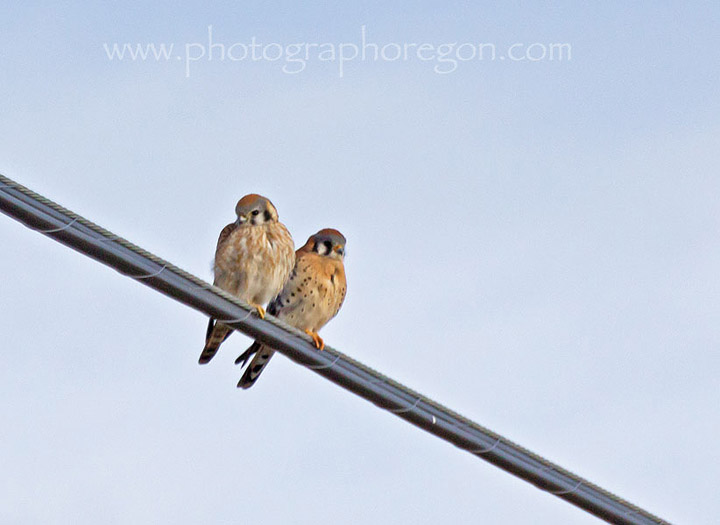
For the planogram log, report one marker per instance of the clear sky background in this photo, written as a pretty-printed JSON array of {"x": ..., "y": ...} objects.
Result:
[{"x": 532, "y": 243}]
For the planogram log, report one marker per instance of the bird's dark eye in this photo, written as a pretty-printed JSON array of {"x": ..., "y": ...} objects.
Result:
[{"x": 255, "y": 212}]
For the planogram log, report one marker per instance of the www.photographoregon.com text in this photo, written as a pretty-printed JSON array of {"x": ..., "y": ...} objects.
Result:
[{"x": 444, "y": 57}]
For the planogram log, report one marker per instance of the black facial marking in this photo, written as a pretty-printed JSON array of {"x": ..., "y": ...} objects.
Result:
[{"x": 267, "y": 216}]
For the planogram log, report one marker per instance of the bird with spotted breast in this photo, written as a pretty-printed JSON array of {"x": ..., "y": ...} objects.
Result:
[
  {"x": 253, "y": 260},
  {"x": 312, "y": 296}
]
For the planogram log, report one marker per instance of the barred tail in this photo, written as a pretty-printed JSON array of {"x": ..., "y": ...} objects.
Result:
[
  {"x": 216, "y": 334},
  {"x": 252, "y": 372}
]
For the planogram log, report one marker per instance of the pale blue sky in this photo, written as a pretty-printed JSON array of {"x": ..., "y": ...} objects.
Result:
[{"x": 534, "y": 244}]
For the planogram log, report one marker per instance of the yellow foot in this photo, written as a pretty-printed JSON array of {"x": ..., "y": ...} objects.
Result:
[
  {"x": 260, "y": 310},
  {"x": 319, "y": 343}
]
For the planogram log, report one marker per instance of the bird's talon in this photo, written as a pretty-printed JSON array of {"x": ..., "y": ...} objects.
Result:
[
  {"x": 260, "y": 311},
  {"x": 319, "y": 343}
]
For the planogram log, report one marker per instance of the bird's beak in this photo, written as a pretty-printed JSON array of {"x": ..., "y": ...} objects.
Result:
[
  {"x": 339, "y": 249},
  {"x": 242, "y": 219}
]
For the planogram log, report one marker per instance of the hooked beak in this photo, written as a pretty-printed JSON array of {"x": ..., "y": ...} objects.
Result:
[{"x": 339, "y": 249}]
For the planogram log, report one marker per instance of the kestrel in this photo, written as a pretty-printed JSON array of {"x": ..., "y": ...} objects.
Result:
[
  {"x": 312, "y": 296},
  {"x": 253, "y": 259}
]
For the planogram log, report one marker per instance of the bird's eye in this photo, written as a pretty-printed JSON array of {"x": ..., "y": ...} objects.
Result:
[{"x": 255, "y": 212}]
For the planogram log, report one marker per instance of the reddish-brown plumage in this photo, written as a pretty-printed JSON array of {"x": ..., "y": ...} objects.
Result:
[{"x": 311, "y": 297}]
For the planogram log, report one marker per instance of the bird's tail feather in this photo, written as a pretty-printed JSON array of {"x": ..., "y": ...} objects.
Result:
[
  {"x": 215, "y": 335},
  {"x": 247, "y": 354},
  {"x": 257, "y": 365}
]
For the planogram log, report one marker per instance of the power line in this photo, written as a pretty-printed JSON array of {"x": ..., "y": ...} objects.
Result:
[{"x": 66, "y": 227}]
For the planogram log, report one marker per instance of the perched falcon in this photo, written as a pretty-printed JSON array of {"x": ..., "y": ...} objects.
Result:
[
  {"x": 312, "y": 296},
  {"x": 253, "y": 259}
]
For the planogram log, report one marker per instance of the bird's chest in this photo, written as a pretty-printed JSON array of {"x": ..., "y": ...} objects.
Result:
[
  {"x": 321, "y": 288},
  {"x": 251, "y": 249},
  {"x": 247, "y": 252}
]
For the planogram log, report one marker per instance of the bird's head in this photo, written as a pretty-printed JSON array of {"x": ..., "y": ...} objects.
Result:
[
  {"x": 328, "y": 243},
  {"x": 255, "y": 210}
]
